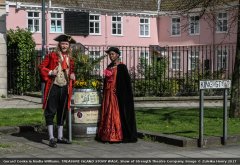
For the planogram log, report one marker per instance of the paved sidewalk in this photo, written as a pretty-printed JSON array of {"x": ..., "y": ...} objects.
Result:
[
  {"x": 20, "y": 102},
  {"x": 34, "y": 145}
]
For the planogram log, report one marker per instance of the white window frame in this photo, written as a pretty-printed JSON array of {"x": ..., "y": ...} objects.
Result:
[
  {"x": 95, "y": 54},
  {"x": 95, "y": 21},
  {"x": 177, "y": 57},
  {"x": 193, "y": 58},
  {"x": 117, "y": 23},
  {"x": 56, "y": 19},
  {"x": 195, "y": 24},
  {"x": 34, "y": 19},
  {"x": 145, "y": 55},
  {"x": 145, "y": 26},
  {"x": 221, "y": 23},
  {"x": 121, "y": 56},
  {"x": 177, "y": 25},
  {"x": 222, "y": 58}
]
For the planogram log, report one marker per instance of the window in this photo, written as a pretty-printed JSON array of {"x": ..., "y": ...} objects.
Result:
[
  {"x": 117, "y": 25},
  {"x": 34, "y": 21},
  {"x": 194, "y": 25},
  {"x": 222, "y": 22},
  {"x": 176, "y": 26},
  {"x": 144, "y": 57},
  {"x": 94, "y": 24},
  {"x": 175, "y": 60},
  {"x": 193, "y": 60},
  {"x": 222, "y": 58},
  {"x": 56, "y": 23},
  {"x": 93, "y": 55},
  {"x": 144, "y": 27}
]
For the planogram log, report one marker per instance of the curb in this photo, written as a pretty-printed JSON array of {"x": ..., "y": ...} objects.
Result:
[
  {"x": 32, "y": 94},
  {"x": 16, "y": 129},
  {"x": 9, "y": 130},
  {"x": 169, "y": 139},
  {"x": 188, "y": 142},
  {"x": 157, "y": 137},
  {"x": 156, "y": 99}
]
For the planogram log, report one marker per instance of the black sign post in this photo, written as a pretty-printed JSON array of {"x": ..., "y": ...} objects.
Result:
[{"x": 213, "y": 84}]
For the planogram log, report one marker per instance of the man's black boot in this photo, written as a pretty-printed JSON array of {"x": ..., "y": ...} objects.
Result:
[
  {"x": 63, "y": 141},
  {"x": 52, "y": 143}
]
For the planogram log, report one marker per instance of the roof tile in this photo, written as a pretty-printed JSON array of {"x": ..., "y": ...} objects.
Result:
[
  {"x": 123, "y": 5},
  {"x": 170, "y": 5},
  {"x": 128, "y": 5}
]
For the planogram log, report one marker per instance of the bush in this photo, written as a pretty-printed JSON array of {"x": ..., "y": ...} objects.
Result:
[
  {"x": 21, "y": 56},
  {"x": 151, "y": 80}
]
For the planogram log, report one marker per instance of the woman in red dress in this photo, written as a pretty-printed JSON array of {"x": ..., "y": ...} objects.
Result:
[{"x": 117, "y": 123}]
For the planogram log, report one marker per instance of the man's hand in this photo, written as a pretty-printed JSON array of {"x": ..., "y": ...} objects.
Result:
[
  {"x": 54, "y": 71},
  {"x": 72, "y": 76}
]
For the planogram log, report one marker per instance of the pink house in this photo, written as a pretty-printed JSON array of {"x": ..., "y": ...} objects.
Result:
[
  {"x": 141, "y": 28},
  {"x": 191, "y": 39},
  {"x": 89, "y": 26}
]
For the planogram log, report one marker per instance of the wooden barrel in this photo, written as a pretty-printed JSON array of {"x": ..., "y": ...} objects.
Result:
[
  {"x": 85, "y": 96},
  {"x": 84, "y": 120},
  {"x": 85, "y": 113}
]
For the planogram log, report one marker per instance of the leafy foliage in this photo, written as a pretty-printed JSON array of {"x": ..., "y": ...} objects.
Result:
[
  {"x": 151, "y": 79},
  {"x": 21, "y": 54},
  {"x": 84, "y": 71}
]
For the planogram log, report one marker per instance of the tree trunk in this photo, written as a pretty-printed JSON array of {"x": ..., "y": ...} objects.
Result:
[{"x": 235, "y": 91}]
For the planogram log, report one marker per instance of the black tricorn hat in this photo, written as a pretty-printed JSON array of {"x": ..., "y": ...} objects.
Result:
[
  {"x": 114, "y": 49},
  {"x": 65, "y": 38}
]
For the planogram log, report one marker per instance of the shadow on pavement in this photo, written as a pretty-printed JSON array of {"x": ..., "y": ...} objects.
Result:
[{"x": 37, "y": 137}]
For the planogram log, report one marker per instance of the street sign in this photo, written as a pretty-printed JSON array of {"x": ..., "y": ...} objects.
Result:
[{"x": 215, "y": 84}]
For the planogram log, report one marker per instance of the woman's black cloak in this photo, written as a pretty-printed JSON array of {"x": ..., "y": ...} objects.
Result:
[{"x": 126, "y": 104}]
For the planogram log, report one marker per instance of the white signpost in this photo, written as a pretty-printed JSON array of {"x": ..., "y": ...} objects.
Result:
[{"x": 213, "y": 84}]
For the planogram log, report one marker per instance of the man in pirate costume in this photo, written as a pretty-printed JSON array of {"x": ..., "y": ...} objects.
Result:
[{"x": 57, "y": 70}]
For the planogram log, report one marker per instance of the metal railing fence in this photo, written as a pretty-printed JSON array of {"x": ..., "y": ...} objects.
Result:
[{"x": 155, "y": 70}]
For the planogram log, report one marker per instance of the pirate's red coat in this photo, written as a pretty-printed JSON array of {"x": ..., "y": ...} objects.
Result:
[{"x": 50, "y": 62}]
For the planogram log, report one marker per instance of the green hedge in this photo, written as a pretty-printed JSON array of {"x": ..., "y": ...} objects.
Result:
[{"x": 21, "y": 59}]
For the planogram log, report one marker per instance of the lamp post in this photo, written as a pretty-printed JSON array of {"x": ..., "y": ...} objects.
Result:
[
  {"x": 43, "y": 41},
  {"x": 43, "y": 29}
]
